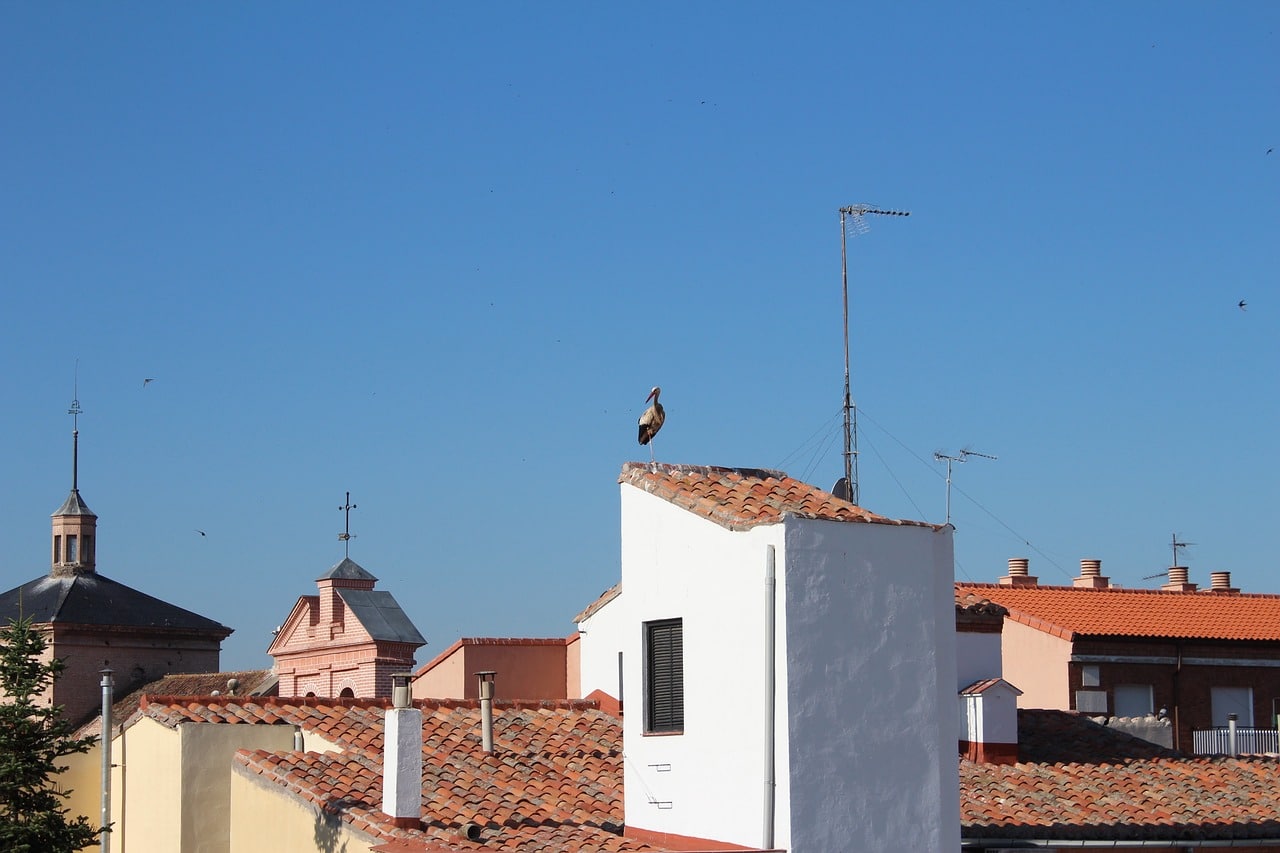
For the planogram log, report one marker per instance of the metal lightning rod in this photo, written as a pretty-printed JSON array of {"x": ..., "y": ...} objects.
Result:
[{"x": 852, "y": 214}]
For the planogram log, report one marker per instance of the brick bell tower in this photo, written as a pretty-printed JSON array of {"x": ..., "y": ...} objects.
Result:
[{"x": 74, "y": 524}]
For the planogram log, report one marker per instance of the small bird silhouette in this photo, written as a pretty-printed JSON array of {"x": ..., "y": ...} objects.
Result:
[
  {"x": 145, "y": 381},
  {"x": 201, "y": 532},
  {"x": 1241, "y": 305}
]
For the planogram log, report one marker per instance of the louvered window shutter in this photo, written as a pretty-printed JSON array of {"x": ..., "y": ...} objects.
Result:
[{"x": 664, "y": 676}]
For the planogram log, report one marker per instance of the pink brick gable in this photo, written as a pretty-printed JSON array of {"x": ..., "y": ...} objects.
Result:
[{"x": 347, "y": 640}]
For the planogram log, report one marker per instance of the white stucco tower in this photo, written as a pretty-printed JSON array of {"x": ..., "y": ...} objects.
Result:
[{"x": 788, "y": 665}]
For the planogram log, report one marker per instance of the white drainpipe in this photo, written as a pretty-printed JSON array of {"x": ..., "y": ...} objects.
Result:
[{"x": 770, "y": 686}]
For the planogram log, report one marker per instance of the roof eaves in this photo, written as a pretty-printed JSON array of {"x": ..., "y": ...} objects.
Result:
[{"x": 1041, "y": 625}]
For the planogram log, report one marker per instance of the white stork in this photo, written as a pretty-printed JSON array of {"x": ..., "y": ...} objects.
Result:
[{"x": 652, "y": 419}]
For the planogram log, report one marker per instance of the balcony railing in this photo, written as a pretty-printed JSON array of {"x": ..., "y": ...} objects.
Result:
[{"x": 1249, "y": 741}]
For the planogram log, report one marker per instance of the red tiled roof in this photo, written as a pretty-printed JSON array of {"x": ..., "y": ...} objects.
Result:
[
  {"x": 252, "y": 682},
  {"x": 553, "y": 783},
  {"x": 980, "y": 687},
  {"x": 1080, "y": 781},
  {"x": 741, "y": 498},
  {"x": 605, "y": 597},
  {"x": 1080, "y": 611},
  {"x": 1181, "y": 799}
]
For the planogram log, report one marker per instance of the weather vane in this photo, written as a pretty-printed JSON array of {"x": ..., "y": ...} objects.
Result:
[
  {"x": 75, "y": 411},
  {"x": 345, "y": 535}
]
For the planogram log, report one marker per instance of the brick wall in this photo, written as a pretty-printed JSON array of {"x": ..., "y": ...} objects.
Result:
[
  {"x": 1186, "y": 691},
  {"x": 135, "y": 658}
]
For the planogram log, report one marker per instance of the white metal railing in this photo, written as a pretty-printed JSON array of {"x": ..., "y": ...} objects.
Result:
[{"x": 1249, "y": 741}]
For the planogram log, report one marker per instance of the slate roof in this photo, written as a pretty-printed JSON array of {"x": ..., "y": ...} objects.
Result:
[
  {"x": 1079, "y": 781},
  {"x": 74, "y": 505},
  {"x": 347, "y": 569},
  {"x": 1071, "y": 612},
  {"x": 554, "y": 782},
  {"x": 742, "y": 498},
  {"x": 381, "y": 616},
  {"x": 90, "y": 598}
]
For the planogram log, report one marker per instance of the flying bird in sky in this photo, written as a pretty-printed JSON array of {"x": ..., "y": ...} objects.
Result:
[
  {"x": 652, "y": 420},
  {"x": 1241, "y": 305},
  {"x": 145, "y": 381}
]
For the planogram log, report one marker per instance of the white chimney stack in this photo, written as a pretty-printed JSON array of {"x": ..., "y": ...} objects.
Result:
[{"x": 402, "y": 757}]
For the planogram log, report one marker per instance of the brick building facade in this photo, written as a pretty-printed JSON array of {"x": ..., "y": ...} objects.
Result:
[
  {"x": 1191, "y": 655},
  {"x": 348, "y": 640},
  {"x": 92, "y": 622}
]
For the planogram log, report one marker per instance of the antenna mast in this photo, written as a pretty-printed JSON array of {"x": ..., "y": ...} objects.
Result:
[
  {"x": 852, "y": 215},
  {"x": 1176, "y": 546},
  {"x": 939, "y": 456}
]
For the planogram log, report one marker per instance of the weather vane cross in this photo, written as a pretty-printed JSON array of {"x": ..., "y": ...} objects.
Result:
[
  {"x": 75, "y": 411},
  {"x": 345, "y": 535}
]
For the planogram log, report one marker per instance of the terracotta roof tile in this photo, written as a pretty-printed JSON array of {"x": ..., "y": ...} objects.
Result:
[
  {"x": 253, "y": 682},
  {"x": 741, "y": 498},
  {"x": 1081, "y": 781},
  {"x": 1201, "y": 799},
  {"x": 554, "y": 782},
  {"x": 1081, "y": 611}
]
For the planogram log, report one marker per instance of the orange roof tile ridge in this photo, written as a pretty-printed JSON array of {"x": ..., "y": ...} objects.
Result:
[{"x": 1113, "y": 590}]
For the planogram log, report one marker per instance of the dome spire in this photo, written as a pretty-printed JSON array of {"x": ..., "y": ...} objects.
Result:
[
  {"x": 74, "y": 524},
  {"x": 74, "y": 411}
]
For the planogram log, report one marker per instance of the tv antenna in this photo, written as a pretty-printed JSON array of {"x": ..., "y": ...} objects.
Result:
[
  {"x": 939, "y": 456},
  {"x": 346, "y": 536},
  {"x": 1176, "y": 545},
  {"x": 853, "y": 216}
]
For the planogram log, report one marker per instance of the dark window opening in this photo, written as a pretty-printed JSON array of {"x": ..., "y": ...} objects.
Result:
[{"x": 664, "y": 676}]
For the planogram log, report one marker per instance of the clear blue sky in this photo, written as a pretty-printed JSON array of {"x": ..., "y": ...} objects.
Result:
[{"x": 437, "y": 256}]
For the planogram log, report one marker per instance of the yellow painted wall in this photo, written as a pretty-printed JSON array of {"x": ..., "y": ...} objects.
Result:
[
  {"x": 83, "y": 777},
  {"x": 267, "y": 819},
  {"x": 146, "y": 790},
  {"x": 171, "y": 788},
  {"x": 207, "y": 758}
]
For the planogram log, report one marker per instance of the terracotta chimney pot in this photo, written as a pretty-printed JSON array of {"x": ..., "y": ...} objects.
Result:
[{"x": 1018, "y": 573}]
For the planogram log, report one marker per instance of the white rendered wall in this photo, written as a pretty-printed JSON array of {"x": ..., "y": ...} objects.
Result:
[
  {"x": 709, "y": 781},
  {"x": 992, "y": 717},
  {"x": 871, "y": 675},
  {"x": 600, "y": 639},
  {"x": 977, "y": 658}
]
